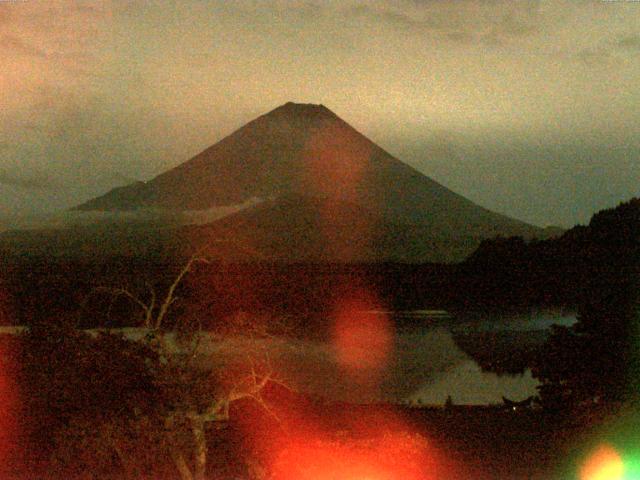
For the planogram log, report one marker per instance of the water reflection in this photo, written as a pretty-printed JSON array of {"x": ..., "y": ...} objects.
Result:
[
  {"x": 424, "y": 364},
  {"x": 467, "y": 384},
  {"x": 424, "y": 367}
]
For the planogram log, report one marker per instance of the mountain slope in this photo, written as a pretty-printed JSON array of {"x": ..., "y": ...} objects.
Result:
[
  {"x": 297, "y": 228},
  {"x": 308, "y": 153}
]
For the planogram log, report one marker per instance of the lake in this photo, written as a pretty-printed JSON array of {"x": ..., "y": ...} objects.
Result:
[{"x": 423, "y": 364}]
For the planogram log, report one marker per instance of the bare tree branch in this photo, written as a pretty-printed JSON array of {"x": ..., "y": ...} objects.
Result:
[
  {"x": 255, "y": 373},
  {"x": 170, "y": 297}
]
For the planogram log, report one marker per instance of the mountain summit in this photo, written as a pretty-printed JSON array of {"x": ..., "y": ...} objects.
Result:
[{"x": 315, "y": 173}]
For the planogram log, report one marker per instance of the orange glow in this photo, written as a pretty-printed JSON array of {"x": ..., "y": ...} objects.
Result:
[
  {"x": 299, "y": 439},
  {"x": 399, "y": 456},
  {"x": 362, "y": 340},
  {"x": 336, "y": 163},
  {"x": 8, "y": 387},
  {"x": 8, "y": 399},
  {"x": 312, "y": 442},
  {"x": 603, "y": 464}
]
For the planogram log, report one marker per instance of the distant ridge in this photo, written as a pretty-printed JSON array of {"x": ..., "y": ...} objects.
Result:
[{"x": 321, "y": 182}]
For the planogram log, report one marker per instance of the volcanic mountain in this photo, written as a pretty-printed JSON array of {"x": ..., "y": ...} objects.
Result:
[{"x": 317, "y": 189}]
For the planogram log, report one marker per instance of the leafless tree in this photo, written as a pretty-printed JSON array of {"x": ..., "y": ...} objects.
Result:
[{"x": 203, "y": 393}]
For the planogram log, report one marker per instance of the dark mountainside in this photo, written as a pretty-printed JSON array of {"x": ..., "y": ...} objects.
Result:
[
  {"x": 327, "y": 190},
  {"x": 599, "y": 257},
  {"x": 593, "y": 270}
]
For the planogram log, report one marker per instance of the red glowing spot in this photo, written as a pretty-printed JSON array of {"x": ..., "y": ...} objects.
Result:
[
  {"x": 337, "y": 162},
  {"x": 399, "y": 456},
  {"x": 336, "y": 170},
  {"x": 603, "y": 464},
  {"x": 312, "y": 442},
  {"x": 8, "y": 399},
  {"x": 362, "y": 335}
]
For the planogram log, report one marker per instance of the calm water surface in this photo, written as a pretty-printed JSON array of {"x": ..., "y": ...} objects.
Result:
[{"x": 424, "y": 364}]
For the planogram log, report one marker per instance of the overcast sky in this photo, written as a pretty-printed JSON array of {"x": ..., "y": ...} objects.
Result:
[{"x": 528, "y": 108}]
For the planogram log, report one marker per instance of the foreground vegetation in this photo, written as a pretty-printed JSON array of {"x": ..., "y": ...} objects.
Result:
[{"x": 105, "y": 407}]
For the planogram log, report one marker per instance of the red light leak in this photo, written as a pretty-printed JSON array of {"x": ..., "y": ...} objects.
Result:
[
  {"x": 386, "y": 457},
  {"x": 336, "y": 167},
  {"x": 336, "y": 164},
  {"x": 8, "y": 400},
  {"x": 362, "y": 340},
  {"x": 347, "y": 442},
  {"x": 384, "y": 450}
]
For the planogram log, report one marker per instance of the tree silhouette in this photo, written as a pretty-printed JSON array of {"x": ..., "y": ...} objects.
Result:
[
  {"x": 597, "y": 359},
  {"x": 120, "y": 406}
]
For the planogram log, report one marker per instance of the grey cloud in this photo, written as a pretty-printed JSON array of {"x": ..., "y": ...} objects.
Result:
[
  {"x": 294, "y": 11},
  {"x": 394, "y": 18},
  {"x": 17, "y": 45},
  {"x": 564, "y": 185},
  {"x": 88, "y": 9},
  {"x": 465, "y": 21},
  {"x": 498, "y": 22},
  {"x": 514, "y": 26},
  {"x": 594, "y": 57},
  {"x": 4, "y": 13},
  {"x": 306, "y": 11},
  {"x": 630, "y": 42},
  {"x": 518, "y": 23},
  {"x": 72, "y": 61},
  {"x": 607, "y": 53},
  {"x": 32, "y": 181},
  {"x": 461, "y": 37}
]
